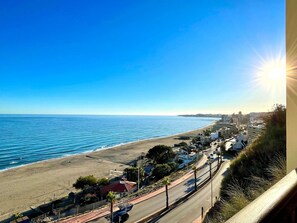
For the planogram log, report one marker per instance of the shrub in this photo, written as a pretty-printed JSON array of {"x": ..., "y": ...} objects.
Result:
[
  {"x": 82, "y": 182},
  {"x": 182, "y": 144},
  {"x": 103, "y": 181}
]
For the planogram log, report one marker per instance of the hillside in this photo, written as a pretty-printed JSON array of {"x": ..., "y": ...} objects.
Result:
[{"x": 254, "y": 170}]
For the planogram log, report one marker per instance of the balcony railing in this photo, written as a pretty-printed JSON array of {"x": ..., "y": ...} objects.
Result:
[{"x": 278, "y": 204}]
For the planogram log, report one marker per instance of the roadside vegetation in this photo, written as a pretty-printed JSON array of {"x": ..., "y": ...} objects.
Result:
[{"x": 254, "y": 170}]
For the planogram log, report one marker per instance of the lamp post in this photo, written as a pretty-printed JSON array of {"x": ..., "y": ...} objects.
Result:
[{"x": 210, "y": 176}]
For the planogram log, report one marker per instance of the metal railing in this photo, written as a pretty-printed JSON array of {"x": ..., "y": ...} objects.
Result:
[{"x": 277, "y": 204}]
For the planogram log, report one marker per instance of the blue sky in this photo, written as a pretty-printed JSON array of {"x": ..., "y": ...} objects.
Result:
[{"x": 137, "y": 57}]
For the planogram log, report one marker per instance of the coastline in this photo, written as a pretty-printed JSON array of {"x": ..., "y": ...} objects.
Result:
[
  {"x": 106, "y": 148},
  {"x": 40, "y": 182}
]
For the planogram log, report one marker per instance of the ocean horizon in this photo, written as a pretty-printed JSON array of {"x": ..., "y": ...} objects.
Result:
[{"x": 27, "y": 139}]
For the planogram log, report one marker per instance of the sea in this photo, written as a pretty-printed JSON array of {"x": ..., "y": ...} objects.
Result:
[{"x": 26, "y": 139}]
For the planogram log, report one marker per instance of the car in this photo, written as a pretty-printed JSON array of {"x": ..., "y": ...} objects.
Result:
[{"x": 122, "y": 214}]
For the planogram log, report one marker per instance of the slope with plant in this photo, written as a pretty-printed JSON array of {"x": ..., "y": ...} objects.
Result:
[{"x": 254, "y": 170}]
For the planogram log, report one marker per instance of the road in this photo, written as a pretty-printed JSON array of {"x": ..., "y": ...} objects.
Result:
[
  {"x": 189, "y": 211},
  {"x": 148, "y": 206},
  {"x": 156, "y": 203}
]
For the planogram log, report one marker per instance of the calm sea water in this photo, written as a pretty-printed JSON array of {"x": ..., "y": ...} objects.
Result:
[{"x": 26, "y": 139}]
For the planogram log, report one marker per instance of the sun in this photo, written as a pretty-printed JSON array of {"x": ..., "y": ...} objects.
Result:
[
  {"x": 272, "y": 74},
  {"x": 273, "y": 71}
]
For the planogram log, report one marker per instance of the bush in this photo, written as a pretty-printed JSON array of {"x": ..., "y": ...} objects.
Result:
[
  {"x": 182, "y": 144},
  {"x": 103, "y": 181},
  {"x": 184, "y": 138},
  {"x": 161, "y": 170},
  {"x": 82, "y": 182}
]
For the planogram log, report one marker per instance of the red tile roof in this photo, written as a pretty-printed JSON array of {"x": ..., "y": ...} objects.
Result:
[{"x": 119, "y": 187}]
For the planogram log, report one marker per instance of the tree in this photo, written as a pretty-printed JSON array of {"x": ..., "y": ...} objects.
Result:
[
  {"x": 195, "y": 169},
  {"x": 166, "y": 182},
  {"x": 161, "y": 154},
  {"x": 132, "y": 173},
  {"x": 219, "y": 154},
  {"x": 223, "y": 147},
  {"x": 161, "y": 170},
  {"x": 111, "y": 197},
  {"x": 173, "y": 166},
  {"x": 82, "y": 182}
]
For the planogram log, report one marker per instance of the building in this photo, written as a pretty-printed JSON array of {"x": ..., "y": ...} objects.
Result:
[
  {"x": 214, "y": 135},
  {"x": 121, "y": 187},
  {"x": 225, "y": 119}
]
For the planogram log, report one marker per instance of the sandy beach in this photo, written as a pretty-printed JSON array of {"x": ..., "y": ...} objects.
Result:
[{"x": 41, "y": 182}]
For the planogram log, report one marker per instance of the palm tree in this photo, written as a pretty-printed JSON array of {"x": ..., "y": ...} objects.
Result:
[
  {"x": 218, "y": 153},
  {"x": 195, "y": 169},
  {"x": 166, "y": 182},
  {"x": 111, "y": 196}
]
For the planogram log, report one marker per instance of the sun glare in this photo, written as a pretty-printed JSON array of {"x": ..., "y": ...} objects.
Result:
[{"x": 272, "y": 74}]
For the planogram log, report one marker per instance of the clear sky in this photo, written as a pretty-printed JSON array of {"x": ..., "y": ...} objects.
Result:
[{"x": 138, "y": 57}]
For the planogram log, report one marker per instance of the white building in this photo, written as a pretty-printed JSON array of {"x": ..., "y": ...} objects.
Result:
[{"x": 214, "y": 135}]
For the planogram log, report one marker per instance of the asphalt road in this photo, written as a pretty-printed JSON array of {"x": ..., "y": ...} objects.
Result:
[
  {"x": 156, "y": 203},
  {"x": 189, "y": 211}
]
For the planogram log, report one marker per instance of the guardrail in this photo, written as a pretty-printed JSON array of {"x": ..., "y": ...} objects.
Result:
[{"x": 278, "y": 204}]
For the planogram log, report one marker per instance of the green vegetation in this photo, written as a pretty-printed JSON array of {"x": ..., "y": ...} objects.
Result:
[
  {"x": 161, "y": 154},
  {"x": 184, "y": 138},
  {"x": 132, "y": 173},
  {"x": 181, "y": 144},
  {"x": 173, "y": 166},
  {"x": 83, "y": 182},
  {"x": 103, "y": 181},
  {"x": 161, "y": 170},
  {"x": 89, "y": 181},
  {"x": 255, "y": 169},
  {"x": 207, "y": 132}
]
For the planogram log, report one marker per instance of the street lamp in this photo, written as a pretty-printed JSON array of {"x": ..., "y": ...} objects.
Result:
[{"x": 210, "y": 176}]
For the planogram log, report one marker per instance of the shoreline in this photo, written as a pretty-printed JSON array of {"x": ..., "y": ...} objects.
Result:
[
  {"x": 38, "y": 183},
  {"x": 105, "y": 148}
]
